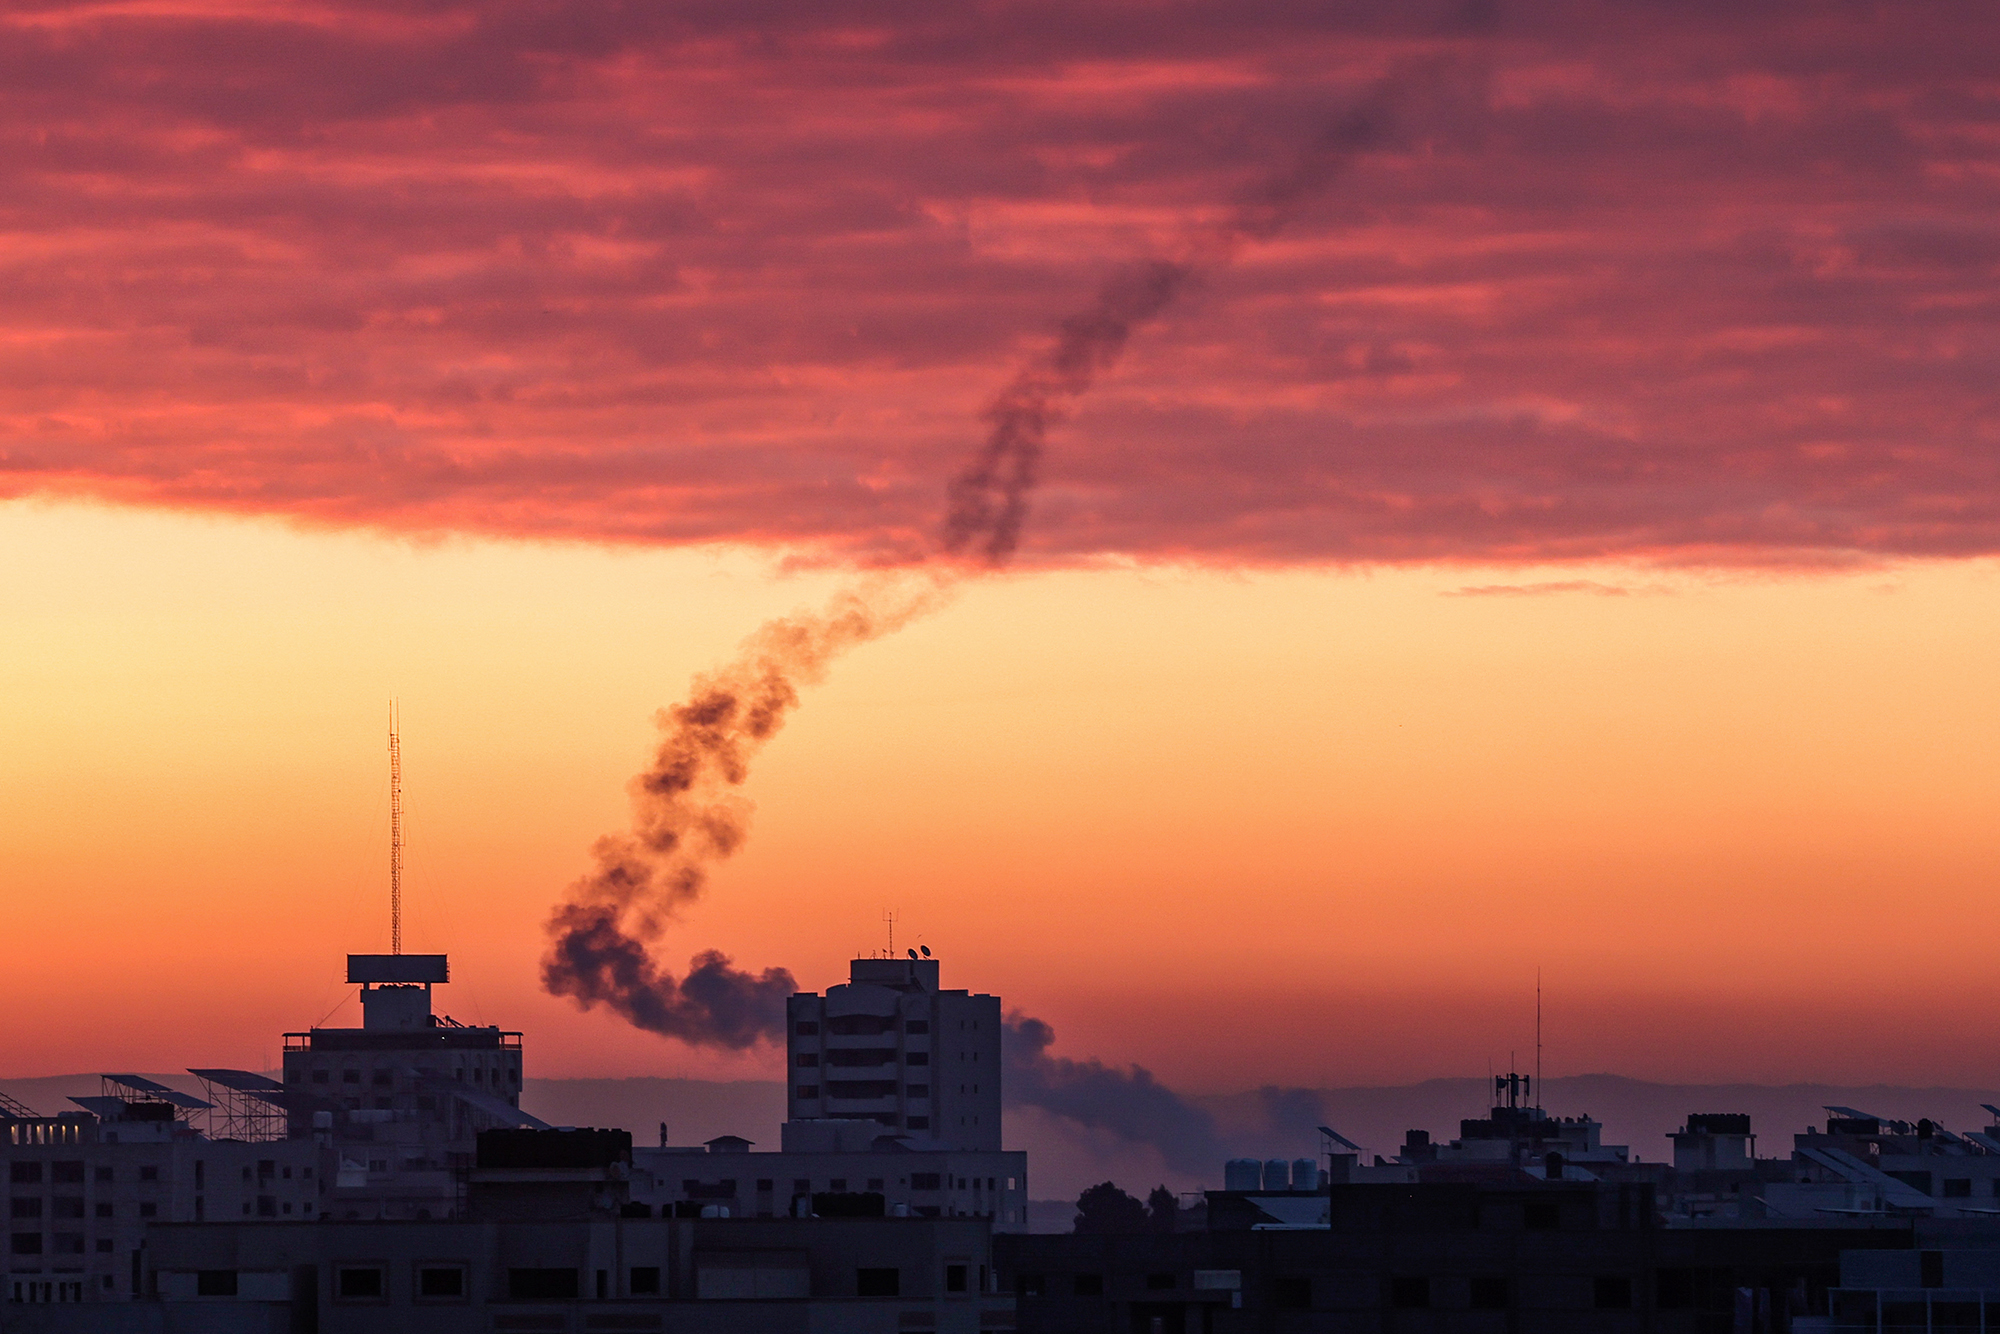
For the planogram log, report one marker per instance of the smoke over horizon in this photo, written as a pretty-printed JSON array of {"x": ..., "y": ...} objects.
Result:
[
  {"x": 687, "y": 815},
  {"x": 688, "y": 811},
  {"x": 1129, "y": 1103}
]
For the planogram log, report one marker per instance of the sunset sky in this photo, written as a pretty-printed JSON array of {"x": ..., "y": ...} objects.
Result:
[{"x": 1567, "y": 543}]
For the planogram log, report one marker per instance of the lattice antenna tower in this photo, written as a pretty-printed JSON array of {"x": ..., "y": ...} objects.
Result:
[{"x": 395, "y": 834}]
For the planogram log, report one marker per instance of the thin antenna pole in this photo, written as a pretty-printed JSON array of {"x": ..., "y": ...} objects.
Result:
[
  {"x": 1538, "y": 1037},
  {"x": 889, "y": 916},
  {"x": 395, "y": 835}
]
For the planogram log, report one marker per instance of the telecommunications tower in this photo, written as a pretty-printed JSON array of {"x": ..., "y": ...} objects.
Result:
[{"x": 395, "y": 835}]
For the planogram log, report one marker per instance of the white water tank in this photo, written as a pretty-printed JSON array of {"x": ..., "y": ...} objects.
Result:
[
  {"x": 1305, "y": 1174},
  {"x": 1277, "y": 1174},
  {"x": 1242, "y": 1174}
]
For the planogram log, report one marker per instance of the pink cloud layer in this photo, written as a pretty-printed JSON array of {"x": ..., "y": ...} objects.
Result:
[{"x": 1687, "y": 281}]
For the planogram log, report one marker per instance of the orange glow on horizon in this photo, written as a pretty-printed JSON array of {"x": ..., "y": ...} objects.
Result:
[{"x": 1310, "y": 828}]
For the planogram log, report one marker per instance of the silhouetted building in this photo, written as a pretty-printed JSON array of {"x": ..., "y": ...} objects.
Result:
[
  {"x": 891, "y": 1048},
  {"x": 726, "y": 1276},
  {"x": 401, "y": 1099},
  {"x": 83, "y": 1188},
  {"x": 1435, "y": 1258},
  {"x": 895, "y": 1093}
]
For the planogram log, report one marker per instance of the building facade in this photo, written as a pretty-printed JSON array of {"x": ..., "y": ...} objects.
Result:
[
  {"x": 400, "y": 1100},
  {"x": 83, "y": 1188},
  {"x": 891, "y": 1048},
  {"x": 829, "y": 1276},
  {"x": 938, "y": 1183}
]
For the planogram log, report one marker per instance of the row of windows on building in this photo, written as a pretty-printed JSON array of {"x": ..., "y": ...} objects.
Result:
[
  {"x": 35, "y": 1133},
  {"x": 1410, "y": 1292},
  {"x": 861, "y": 1026},
  {"x": 726, "y": 1188},
  {"x": 450, "y": 1282},
  {"x": 66, "y": 1208},
  {"x": 72, "y": 1172},
  {"x": 867, "y": 1057},
  {"x": 49, "y": 1290},
  {"x": 887, "y": 1119},
  {"x": 865, "y": 1088},
  {"x": 860, "y": 1058},
  {"x": 69, "y": 1173},
  {"x": 70, "y": 1206}
]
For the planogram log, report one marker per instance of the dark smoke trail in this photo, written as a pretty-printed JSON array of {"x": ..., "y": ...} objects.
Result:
[
  {"x": 687, "y": 811},
  {"x": 1131, "y": 1104},
  {"x": 988, "y": 501},
  {"x": 687, "y": 815}
]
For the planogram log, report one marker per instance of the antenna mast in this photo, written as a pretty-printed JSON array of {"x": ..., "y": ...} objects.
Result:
[
  {"x": 1538, "y": 1037},
  {"x": 889, "y": 916},
  {"x": 395, "y": 835}
]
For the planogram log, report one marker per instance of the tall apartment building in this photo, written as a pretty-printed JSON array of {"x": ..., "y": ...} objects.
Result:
[
  {"x": 894, "y": 1092},
  {"x": 892, "y": 1047}
]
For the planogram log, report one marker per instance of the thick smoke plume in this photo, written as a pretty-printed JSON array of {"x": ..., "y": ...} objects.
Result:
[
  {"x": 688, "y": 812},
  {"x": 1129, "y": 1103}
]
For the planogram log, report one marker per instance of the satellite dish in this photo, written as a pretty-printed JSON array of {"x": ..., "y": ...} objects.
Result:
[
  {"x": 926, "y": 949},
  {"x": 913, "y": 954}
]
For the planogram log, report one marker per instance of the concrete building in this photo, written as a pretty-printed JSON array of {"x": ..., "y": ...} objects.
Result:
[
  {"x": 1517, "y": 1135},
  {"x": 890, "y": 1047},
  {"x": 84, "y": 1187},
  {"x": 834, "y": 1158},
  {"x": 400, "y": 1100},
  {"x": 1545, "y": 1257},
  {"x": 827, "y": 1276},
  {"x": 1933, "y": 1287},
  {"x": 895, "y": 1092}
]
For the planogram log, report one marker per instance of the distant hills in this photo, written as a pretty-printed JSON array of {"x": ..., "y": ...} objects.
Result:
[{"x": 1270, "y": 1122}]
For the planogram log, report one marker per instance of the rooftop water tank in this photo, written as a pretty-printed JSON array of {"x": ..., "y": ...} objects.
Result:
[
  {"x": 1241, "y": 1174},
  {"x": 1305, "y": 1174},
  {"x": 1277, "y": 1174}
]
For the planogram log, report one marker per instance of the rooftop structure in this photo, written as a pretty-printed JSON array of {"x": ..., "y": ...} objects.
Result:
[{"x": 402, "y": 1097}]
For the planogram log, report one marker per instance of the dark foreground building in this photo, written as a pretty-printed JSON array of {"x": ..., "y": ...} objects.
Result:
[
  {"x": 550, "y": 1240},
  {"x": 782, "y": 1275},
  {"x": 1535, "y": 1259}
]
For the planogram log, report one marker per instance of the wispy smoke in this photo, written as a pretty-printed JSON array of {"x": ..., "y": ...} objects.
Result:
[
  {"x": 688, "y": 813},
  {"x": 988, "y": 500},
  {"x": 1128, "y": 1103},
  {"x": 1291, "y": 1111}
]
